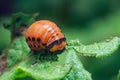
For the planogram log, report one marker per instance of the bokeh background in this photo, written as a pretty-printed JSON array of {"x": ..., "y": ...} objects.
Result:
[{"x": 87, "y": 20}]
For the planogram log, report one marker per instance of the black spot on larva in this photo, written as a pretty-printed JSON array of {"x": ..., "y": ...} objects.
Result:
[
  {"x": 44, "y": 44},
  {"x": 33, "y": 39},
  {"x": 29, "y": 38},
  {"x": 38, "y": 46},
  {"x": 30, "y": 45},
  {"x": 34, "y": 45},
  {"x": 38, "y": 40}
]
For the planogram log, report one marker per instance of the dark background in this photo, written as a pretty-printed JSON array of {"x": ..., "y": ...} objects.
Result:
[{"x": 88, "y": 20}]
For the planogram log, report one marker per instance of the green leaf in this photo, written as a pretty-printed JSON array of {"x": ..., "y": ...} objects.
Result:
[
  {"x": 101, "y": 49},
  {"x": 8, "y": 75},
  {"x": 50, "y": 67},
  {"x": 54, "y": 70},
  {"x": 19, "y": 23},
  {"x": 43, "y": 70},
  {"x": 20, "y": 19},
  {"x": 17, "y": 51},
  {"x": 78, "y": 72}
]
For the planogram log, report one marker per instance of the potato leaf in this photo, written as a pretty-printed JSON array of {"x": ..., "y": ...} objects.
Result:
[
  {"x": 78, "y": 72},
  {"x": 17, "y": 51},
  {"x": 101, "y": 49},
  {"x": 20, "y": 63},
  {"x": 51, "y": 67},
  {"x": 42, "y": 70}
]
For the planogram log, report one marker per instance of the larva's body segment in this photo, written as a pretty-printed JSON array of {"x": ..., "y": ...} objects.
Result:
[{"x": 45, "y": 34}]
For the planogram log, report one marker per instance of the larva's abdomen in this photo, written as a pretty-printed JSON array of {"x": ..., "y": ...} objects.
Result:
[{"x": 45, "y": 34}]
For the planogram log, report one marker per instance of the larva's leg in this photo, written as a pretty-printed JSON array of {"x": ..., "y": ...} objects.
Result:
[
  {"x": 34, "y": 62},
  {"x": 33, "y": 54}
]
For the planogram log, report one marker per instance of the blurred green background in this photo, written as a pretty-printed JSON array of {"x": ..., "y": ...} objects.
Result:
[{"x": 87, "y": 20}]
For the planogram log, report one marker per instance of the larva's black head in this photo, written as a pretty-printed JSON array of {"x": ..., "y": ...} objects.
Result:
[{"x": 57, "y": 45}]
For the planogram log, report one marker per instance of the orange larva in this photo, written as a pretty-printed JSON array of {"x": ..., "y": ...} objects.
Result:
[{"x": 45, "y": 34}]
